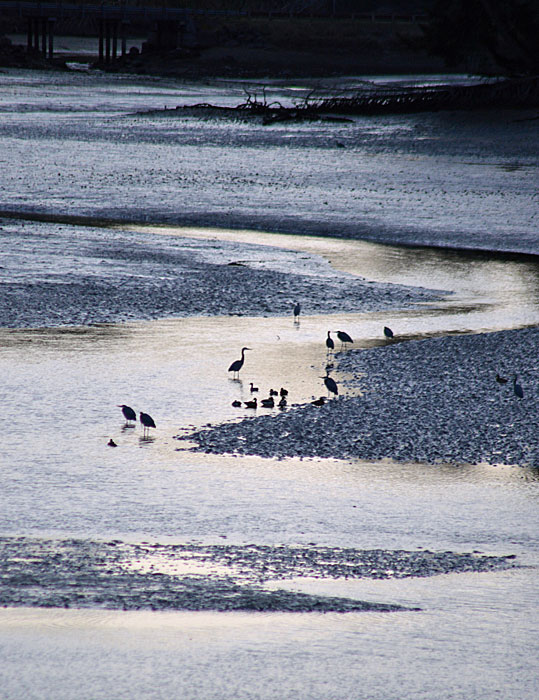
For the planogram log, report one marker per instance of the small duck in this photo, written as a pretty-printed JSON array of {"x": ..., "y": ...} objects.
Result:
[
  {"x": 388, "y": 332},
  {"x": 273, "y": 392},
  {"x": 111, "y": 443},
  {"x": 252, "y": 388},
  {"x": 268, "y": 403},
  {"x": 283, "y": 392},
  {"x": 251, "y": 404},
  {"x": 319, "y": 402},
  {"x": 501, "y": 380},
  {"x": 236, "y": 404},
  {"x": 282, "y": 402}
]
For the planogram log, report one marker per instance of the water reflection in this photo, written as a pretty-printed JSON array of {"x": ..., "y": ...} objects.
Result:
[{"x": 497, "y": 291}]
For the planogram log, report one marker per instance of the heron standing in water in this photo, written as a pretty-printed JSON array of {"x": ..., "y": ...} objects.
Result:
[
  {"x": 128, "y": 412},
  {"x": 238, "y": 364},
  {"x": 330, "y": 343},
  {"x": 331, "y": 385},
  {"x": 147, "y": 421},
  {"x": 344, "y": 338}
]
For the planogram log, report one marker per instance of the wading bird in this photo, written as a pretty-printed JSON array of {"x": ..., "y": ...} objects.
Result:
[
  {"x": 517, "y": 388},
  {"x": 128, "y": 412},
  {"x": 250, "y": 404},
  {"x": 330, "y": 344},
  {"x": 331, "y": 385},
  {"x": 344, "y": 338},
  {"x": 147, "y": 421},
  {"x": 388, "y": 332},
  {"x": 238, "y": 364},
  {"x": 297, "y": 311}
]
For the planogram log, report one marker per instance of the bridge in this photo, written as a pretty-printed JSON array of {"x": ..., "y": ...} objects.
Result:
[{"x": 111, "y": 20}]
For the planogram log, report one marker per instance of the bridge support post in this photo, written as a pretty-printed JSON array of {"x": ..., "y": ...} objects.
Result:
[{"x": 50, "y": 29}]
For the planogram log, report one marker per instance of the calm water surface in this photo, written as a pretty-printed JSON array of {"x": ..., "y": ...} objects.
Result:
[{"x": 475, "y": 636}]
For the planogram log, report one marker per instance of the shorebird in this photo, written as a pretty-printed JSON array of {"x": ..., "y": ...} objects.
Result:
[
  {"x": 147, "y": 421},
  {"x": 128, "y": 412},
  {"x": 330, "y": 343},
  {"x": 238, "y": 364},
  {"x": 344, "y": 338},
  {"x": 331, "y": 385}
]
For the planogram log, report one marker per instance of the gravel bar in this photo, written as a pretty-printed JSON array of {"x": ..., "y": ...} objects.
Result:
[{"x": 435, "y": 400}]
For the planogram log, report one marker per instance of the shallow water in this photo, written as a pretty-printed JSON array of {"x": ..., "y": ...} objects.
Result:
[{"x": 60, "y": 390}]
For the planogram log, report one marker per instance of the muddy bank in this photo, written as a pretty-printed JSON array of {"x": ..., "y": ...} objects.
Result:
[
  {"x": 57, "y": 275},
  {"x": 116, "y": 575},
  {"x": 436, "y": 400}
]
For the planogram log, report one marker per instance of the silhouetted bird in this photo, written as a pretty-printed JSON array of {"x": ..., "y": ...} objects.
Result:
[
  {"x": 274, "y": 392},
  {"x": 331, "y": 385},
  {"x": 283, "y": 392},
  {"x": 111, "y": 443},
  {"x": 501, "y": 380},
  {"x": 388, "y": 332},
  {"x": 517, "y": 388},
  {"x": 147, "y": 421},
  {"x": 236, "y": 404},
  {"x": 128, "y": 412},
  {"x": 319, "y": 402},
  {"x": 268, "y": 403},
  {"x": 250, "y": 404},
  {"x": 344, "y": 338},
  {"x": 282, "y": 402},
  {"x": 330, "y": 344},
  {"x": 297, "y": 311},
  {"x": 252, "y": 388},
  {"x": 238, "y": 364}
]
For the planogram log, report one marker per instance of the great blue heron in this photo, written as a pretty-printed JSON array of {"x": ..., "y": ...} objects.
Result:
[
  {"x": 331, "y": 385},
  {"x": 147, "y": 421},
  {"x": 128, "y": 412},
  {"x": 330, "y": 344},
  {"x": 297, "y": 311},
  {"x": 268, "y": 403},
  {"x": 238, "y": 364},
  {"x": 344, "y": 338},
  {"x": 251, "y": 404},
  {"x": 388, "y": 332},
  {"x": 517, "y": 388}
]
